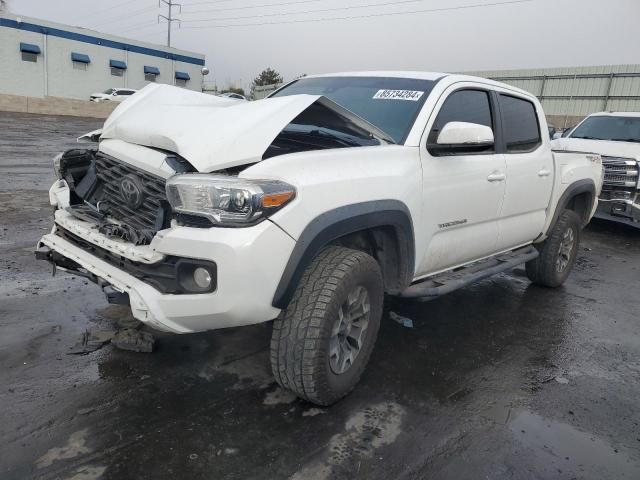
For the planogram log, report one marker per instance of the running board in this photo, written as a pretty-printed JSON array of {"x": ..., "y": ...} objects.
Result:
[{"x": 461, "y": 277}]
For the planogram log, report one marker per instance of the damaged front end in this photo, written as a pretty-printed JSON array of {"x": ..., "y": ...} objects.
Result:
[
  {"x": 136, "y": 215},
  {"x": 121, "y": 201}
]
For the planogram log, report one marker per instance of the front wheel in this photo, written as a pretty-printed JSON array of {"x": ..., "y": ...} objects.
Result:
[
  {"x": 557, "y": 253},
  {"x": 322, "y": 341}
]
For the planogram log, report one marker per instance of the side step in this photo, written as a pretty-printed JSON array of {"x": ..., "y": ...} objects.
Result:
[{"x": 461, "y": 277}]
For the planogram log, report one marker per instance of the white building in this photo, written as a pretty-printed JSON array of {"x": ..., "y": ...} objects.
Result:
[{"x": 40, "y": 59}]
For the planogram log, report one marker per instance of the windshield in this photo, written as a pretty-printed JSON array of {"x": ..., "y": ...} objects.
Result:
[
  {"x": 109, "y": 91},
  {"x": 621, "y": 129},
  {"x": 391, "y": 104}
]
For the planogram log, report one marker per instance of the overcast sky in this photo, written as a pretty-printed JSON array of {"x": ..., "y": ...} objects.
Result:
[{"x": 439, "y": 35}]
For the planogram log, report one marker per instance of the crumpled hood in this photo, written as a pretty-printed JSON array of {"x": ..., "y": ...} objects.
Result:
[
  {"x": 601, "y": 147},
  {"x": 212, "y": 133}
]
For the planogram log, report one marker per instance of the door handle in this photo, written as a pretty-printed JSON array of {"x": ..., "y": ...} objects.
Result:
[
  {"x": 496, "y": 177},
  {"x": 544, "y": 173}
]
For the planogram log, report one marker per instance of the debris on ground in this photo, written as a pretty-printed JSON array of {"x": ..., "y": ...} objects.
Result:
[
  {"x": 91, "y": 341},
  {"x": 134, "y": 340},
  {"x": 404, "y": 321},
  {"x": 312, "y": 412},
  {"x": 126, "y": 339},
  {"x": 562, "y": 380}
]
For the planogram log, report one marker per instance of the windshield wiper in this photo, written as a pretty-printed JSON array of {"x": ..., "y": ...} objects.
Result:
[
  {"x": 634, "y": 140},
  {"x": 586, "y": 137}
]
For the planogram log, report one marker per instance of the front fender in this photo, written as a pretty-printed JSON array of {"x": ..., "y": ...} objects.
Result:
[{"x": 342, "y": 221}]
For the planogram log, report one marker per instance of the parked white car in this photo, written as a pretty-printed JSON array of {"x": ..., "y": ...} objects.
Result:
[
  {"x": 235, "y": 96},
  {"x": 616, "y": 137},
  {"x": 112, "y": 94},
  {"x": 306, "y": 207}
]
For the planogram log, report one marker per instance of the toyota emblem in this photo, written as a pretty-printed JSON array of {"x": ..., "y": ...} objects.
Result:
[{"x": 131, "y": 191}]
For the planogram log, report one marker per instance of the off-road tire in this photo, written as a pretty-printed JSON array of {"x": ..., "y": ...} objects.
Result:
[
  {"x": 543, "y": 270},
  {"x": 302, "y": 333}
]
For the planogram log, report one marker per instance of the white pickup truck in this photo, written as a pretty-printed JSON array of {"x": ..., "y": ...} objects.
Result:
[
  {"x": 616, "y": 137},
  {"x": 308, "y": 206}
]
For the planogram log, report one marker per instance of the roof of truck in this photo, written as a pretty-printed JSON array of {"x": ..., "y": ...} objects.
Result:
[{"x": 418, "y": 75}]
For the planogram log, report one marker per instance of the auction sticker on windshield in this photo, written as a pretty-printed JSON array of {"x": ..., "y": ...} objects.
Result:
[{"x": 410, "y": 95}]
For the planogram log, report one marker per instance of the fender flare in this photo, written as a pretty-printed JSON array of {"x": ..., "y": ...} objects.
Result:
[
  {"x": 580, "y": 186},
  {"x": 342, "y": 221}
]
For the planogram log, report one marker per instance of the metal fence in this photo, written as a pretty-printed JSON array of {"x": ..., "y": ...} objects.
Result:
[{"x": 569, "y": 94}]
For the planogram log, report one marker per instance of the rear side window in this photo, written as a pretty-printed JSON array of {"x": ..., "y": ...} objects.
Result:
[
  {"x": 470, "y": 106},
  {"x": 520, "y": 124}
]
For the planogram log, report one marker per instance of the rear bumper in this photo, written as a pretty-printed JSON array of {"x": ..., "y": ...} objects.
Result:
[
  {"x": 249, "y": 261},
  {"x": 619, "y": 211}
]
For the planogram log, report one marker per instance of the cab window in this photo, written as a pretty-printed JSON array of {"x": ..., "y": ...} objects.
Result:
[
  {"x": 520, "y": 124},
  {"x": 471, "y": 106}
]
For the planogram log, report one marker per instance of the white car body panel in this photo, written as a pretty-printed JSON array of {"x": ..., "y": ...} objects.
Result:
[
  {"x": 241, "y": 298},
  {"x": 601, "y": 147},
  {"x": 212, "y": 133},
  {"x": 463, "y": 208}
]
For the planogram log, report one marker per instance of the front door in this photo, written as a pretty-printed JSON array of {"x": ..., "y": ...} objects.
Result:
[{"x": 463, "y": 192}]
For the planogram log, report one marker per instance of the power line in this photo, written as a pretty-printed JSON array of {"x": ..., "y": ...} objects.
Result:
[
  {"x": 119, "y": 18},
  {"x": 245, "y": 7},
  {"x": 210, "y": 2},
  {"x": 139, "y": 26},
  {"x": 334, "y": 9},
  {"x": 94, "y": 13},
  {"x": 372, "y": 15}
]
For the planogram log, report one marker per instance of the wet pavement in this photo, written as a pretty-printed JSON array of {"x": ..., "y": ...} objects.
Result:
[{"x": 499, "y": 380}]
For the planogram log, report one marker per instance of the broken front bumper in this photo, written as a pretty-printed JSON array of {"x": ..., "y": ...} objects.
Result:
[
  {"x": 623, "y": 211},
  {"x": 249, "y": 264}
]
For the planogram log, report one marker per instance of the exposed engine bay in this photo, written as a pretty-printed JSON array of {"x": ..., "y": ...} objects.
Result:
[{"x": 131, "y": 204}]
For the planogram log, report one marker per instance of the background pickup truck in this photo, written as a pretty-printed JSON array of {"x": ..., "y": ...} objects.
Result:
[
  {"x": 616, "y": 137},
  {"x": 306, "y": 207}
]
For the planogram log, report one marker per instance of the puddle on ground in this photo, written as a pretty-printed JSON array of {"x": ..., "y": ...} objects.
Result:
[
  {"x": 75, "y": 446},
  {"x": 88, "y": 473},
  {"x": 570, "y": 450},
  {"x": 364, "y": 432}
]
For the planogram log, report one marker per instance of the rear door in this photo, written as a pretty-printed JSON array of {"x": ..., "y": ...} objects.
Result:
[
  {"x": 462, "y": 192},
  {"x": 529, "y": 166}
]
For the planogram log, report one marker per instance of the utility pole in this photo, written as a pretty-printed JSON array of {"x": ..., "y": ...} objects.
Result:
[{"x": 169, "y": 19}]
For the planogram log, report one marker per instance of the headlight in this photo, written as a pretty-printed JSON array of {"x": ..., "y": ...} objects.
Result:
[
  {"x": 56, "y": 164},
  {"x": 227, "y": 201}
]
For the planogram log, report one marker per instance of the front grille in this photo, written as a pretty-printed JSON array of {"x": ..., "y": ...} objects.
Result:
[
  {"x": 616, "y": 195},
  {"x": 149, "y": 214},
  {"x": 620, "y": 172}
]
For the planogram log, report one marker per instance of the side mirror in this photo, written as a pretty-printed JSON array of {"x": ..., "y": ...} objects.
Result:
[
  {"x": 460, "y": 137},
  {"x": 463, "y": 133}
]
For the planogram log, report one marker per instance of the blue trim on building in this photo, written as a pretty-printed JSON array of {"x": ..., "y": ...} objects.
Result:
[
  {"x": 118, "y": 64},
  {"x": 80, "y": 57},
  {"x": 29, "y": 48},
  {"x": 150, "y": 69},
  {"x": 80, "y": 37},
  {"x": 182, "y": 76}
]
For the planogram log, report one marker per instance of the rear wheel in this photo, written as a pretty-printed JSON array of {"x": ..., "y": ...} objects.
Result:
[
  {"x": 322, "y": 342},
  {"x": 557, "y": 253}
]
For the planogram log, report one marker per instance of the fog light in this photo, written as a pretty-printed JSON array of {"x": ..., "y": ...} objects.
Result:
[
  {"x": 202, "y": 278},
  {"x": 196, "y": 276}
]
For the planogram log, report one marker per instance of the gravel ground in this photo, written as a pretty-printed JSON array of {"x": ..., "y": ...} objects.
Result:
[{"x": 498, "y": 380}]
